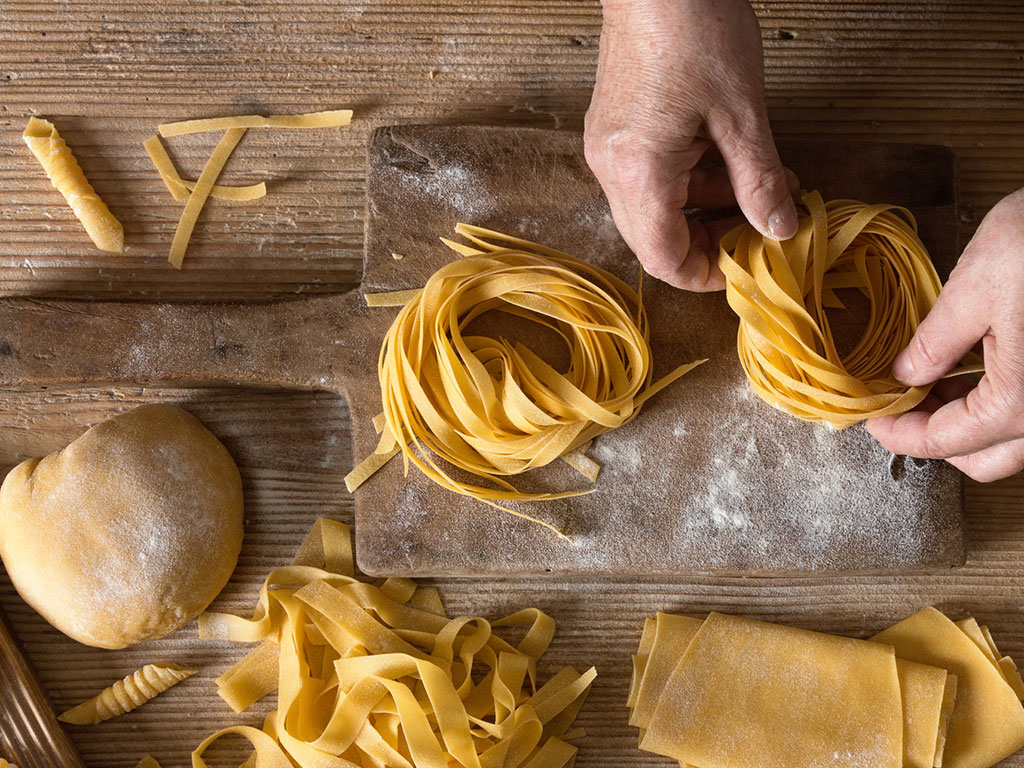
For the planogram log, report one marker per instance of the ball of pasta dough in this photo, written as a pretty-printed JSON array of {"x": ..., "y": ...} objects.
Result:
[{"x": 129, "y": 532}]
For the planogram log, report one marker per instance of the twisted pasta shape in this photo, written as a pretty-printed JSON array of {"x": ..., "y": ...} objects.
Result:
[
  {"x": 781, "y": 291},
  {"x": 490, "y": 406},
  {"x": 66, "y": 175},
  {"x": 127, "y": 694}
]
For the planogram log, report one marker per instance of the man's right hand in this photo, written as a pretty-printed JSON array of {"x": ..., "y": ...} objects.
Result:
[{"x": 667, "y": 68}]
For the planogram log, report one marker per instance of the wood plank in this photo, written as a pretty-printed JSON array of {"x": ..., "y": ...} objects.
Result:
[
  {"x": 707, "y": 478},
  {"x": 293, "y": 451},
  {"x": 944, "y": 72}
]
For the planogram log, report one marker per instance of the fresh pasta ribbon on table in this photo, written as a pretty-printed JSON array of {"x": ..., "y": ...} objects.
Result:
[
  {"x": 196, "y": 193},
  {"x": 127, "y": 694},
  {"x": 490, "y": 406},
  {"x": 5, "y": 764},
  {"x": 181, "y": 188},
  {"x": 377, "y": 674},
  {"x": 781, "y": 291},
  {"x": 67, "y": 177}
]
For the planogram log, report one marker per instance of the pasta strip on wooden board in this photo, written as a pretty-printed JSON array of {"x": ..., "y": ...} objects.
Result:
[
  {"x": 329, "y": 119},
  {"x": 180, "y": 188},
  {"x": 492, "y": 407},
  {"x": 378, "y": 675},
  {"x": 780, "y": 290},
  {"x": 127, "y": 694},
  {"x": 202, "y": 190},
  {"x": 66, "y": 175}
]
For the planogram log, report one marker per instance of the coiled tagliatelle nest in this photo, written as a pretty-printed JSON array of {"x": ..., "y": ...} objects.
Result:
[
  {"x": 491, "y": 406},
  {"x": 781, "y": 291}
]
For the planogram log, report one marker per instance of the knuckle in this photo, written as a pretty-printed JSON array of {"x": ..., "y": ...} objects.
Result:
[
  {"x": 768, "y": 185},
  {"x": 934, "y": 447},
  {"x": 923, "y": 352},
  {"x": 657, "y": 268}
]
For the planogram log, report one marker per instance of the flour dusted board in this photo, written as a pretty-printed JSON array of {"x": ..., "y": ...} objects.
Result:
[{"x": 708, "y": 478}]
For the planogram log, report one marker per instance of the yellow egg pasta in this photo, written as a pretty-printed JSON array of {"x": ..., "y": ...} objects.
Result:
[
  {"x": 5, "y": 764},
  {"x": 492, "y": 407},
  {"x": 376, "y": 674},
  {"x": 781, "y": 291},
  {"x": 195, "y": 193},
  {"x": 66, "y": 175},
  {"x": 147, "y": 761},
  {"x": 328, "y": 119},
  {"x": 181, "y": 188},
  {"x": 127, "y": 694},
  {"x": 196, "y": 200}
]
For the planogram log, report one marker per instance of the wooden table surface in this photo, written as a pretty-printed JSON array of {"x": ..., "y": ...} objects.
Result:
[{"x": 107, "y": 72}]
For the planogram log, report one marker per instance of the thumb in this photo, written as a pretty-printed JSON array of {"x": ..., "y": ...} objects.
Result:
[
  {"x": 757, "y": 176},
  {"x": 952, "y": 327}
]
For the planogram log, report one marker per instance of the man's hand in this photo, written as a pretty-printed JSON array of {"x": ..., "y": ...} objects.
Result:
[
  {"x": 981, "y": 431},
  {"x": 666, "y": 69}
]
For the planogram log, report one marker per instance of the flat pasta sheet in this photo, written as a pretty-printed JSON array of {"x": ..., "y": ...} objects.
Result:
[
  {"x": 729, "y": 692},
  {"x": 746, "y": 694}
]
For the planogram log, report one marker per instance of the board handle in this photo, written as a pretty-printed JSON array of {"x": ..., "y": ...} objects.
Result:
[
  {"x": 310, "y": 343},
  {"x": 30, "y": 735}
]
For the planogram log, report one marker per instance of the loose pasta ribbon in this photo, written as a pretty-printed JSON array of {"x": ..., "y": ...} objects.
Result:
[
  {"x": 491, "y": 406},
  {"x": 377, "y": 674},
  {"x": 781, "y": 291}
]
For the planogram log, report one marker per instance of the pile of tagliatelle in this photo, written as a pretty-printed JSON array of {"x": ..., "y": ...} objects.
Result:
[
  {"x": 492, "y": 407},
  {"x": 781, "y": 291},
  {"x": 378, "y": 675}
]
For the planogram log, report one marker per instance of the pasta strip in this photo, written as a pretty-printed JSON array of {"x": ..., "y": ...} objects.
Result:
[
  {"x": 180, "y": 188},
  {"x": 781, "y": 291},
  {"x": 328, "y": 119},
  {"x": 377, "y": 675},
  {"x": 66, "y": 175},
  {"x": 202, "y": 190},
  {"x": 127, "y": 694},
  {"x": 493, "y": 408}
]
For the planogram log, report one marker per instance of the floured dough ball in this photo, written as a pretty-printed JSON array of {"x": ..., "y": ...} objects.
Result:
[{"x": 129, "y": 532}]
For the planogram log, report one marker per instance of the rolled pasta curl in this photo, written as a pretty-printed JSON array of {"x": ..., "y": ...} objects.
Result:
[
  {"x": 492, "y": 407},
  {"x": 781, "y": 291}
]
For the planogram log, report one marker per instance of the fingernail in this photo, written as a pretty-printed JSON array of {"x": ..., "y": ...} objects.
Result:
[
  {"x": 782, "y": 224},
  {"x": 902, "y": 367}
]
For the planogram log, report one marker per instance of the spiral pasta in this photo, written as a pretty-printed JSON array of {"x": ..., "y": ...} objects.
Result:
[
  {"x": 127, "y": 694},
  {"x": 60, "y": 165},
  {"x": 781, "y": 291},
  {"x": 490, "y": 406}
]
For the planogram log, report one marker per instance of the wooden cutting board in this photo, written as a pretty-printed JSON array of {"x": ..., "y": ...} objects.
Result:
[{"x": 707, "y": 479}]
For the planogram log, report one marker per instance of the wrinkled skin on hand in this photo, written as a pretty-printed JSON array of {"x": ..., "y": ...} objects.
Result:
[
  {"x": 673, "y": 74},
  {"x": 978, "y": 429}
]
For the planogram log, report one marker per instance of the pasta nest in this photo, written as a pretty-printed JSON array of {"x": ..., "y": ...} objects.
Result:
[
  {"x": 492, "y": 407},
  {"x": 781, "y": 291}
]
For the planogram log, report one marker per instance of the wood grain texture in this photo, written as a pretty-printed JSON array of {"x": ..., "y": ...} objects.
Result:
[
  {"x": 763, "y": 492},
  {"x": 293, "y": 449},
  {"x": 28, "y": 727},
  {"x": 944, "y": 71}
]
